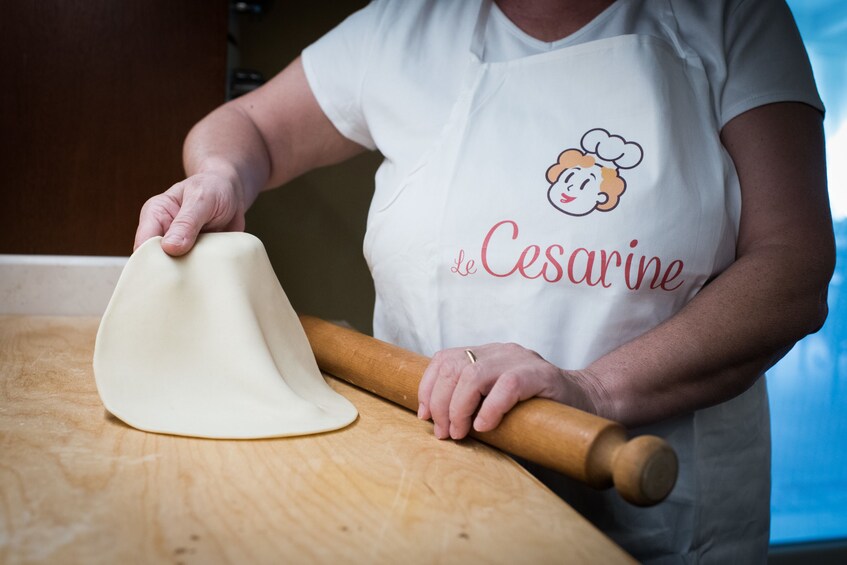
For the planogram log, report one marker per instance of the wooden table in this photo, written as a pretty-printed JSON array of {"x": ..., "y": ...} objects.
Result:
[{"x": 79, "y": 486}]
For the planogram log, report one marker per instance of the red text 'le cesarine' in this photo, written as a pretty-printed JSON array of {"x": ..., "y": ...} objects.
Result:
[{"x": 581, "y": 265}]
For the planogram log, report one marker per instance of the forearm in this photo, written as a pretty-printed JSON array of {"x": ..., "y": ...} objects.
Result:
[
  {"x": 267, "y": 137},
  {"x": 718, "y": 345},
  {"x": 227, "y": 143}
]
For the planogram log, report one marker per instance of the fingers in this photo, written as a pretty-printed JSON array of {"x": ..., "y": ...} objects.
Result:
[
  {"x": 504, "y": 395},
  {"x": 426, "y": 385},
  {"x": 436, "y": 390},
  {"x": 149, "y": 225},
  {"x": 474, "y": 383},
  {"x": 450, "y": 392},
  {"x": 442, "y": 394},
  {"x": 156, "y": 215},
  {"x": 453, "y": 388}
]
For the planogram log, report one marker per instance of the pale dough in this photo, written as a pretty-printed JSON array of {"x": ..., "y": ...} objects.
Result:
[{"x": 207, "y": 345}]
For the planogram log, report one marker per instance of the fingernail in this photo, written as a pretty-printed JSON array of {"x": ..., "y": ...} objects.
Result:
[
  {"x": 478, "y": 423},
  {"x": 439, "y": 432},
  {"x": 420, "y": 410},
  {"x": 173, "y": 239},
  {"x": 454, "y": 432}
]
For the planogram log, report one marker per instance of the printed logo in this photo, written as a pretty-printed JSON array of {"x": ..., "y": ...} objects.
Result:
[{"x": 582, "y": 181}]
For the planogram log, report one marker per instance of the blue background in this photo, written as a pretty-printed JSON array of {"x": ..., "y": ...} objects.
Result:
[{"x": 808, "y": 388}]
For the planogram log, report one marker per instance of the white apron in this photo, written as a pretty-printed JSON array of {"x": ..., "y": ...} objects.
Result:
[{"x": 573, "y": 200}]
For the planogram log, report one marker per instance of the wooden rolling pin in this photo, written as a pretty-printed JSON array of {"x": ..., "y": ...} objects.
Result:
[{"x": 580, "y": 445}]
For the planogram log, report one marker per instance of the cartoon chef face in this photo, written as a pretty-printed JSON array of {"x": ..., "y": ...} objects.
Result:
[
  {"x": 585, "y": 180},
  {"x": 578, "y": 185},
  {"x": 577, "y": 191}
]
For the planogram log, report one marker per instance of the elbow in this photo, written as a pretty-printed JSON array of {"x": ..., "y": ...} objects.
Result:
[
  {"x": 815, "y": 309},
  {"x": 821, "y": 307},
  {"x": 805, "y": 312},
  {"x": 818, "y": 313},
  {"x": 818, "y": 275}
]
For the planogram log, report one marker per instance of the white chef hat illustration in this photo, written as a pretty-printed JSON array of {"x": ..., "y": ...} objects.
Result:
[{"x": 611, "y": 151}]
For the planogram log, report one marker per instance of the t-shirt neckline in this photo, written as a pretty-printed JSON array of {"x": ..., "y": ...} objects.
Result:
[{"x": 541, "y": 45}]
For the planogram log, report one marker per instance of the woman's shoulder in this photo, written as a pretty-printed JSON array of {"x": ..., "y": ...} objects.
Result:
[
  {"x": 404, "y": 31},
  {"x": 751, "y": 51}
]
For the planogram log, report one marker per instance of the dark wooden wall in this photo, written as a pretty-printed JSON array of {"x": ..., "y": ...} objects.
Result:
[{"x": 95, "y": 101}]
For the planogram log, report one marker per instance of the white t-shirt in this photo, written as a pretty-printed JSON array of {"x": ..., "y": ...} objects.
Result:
[{"x": 387, "y": 75}]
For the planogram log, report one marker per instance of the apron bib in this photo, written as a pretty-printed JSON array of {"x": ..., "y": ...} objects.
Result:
[{"x": 573, "y": 200}]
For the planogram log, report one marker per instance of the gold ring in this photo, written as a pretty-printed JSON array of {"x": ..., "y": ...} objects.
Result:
[{"x": 471, "y": 356}]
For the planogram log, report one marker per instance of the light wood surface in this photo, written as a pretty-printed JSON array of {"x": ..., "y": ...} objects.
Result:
[
  {"x": 78, "y": 486},
  {"x": 583, "y": 446}
]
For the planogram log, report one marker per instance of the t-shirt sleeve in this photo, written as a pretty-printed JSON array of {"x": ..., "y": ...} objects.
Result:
[
  {"x": 335, "y": 67},
  {"x": 766, "y": 60}
]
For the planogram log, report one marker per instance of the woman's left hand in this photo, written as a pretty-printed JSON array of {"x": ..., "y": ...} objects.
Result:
[{"x": 453, "y": 388}]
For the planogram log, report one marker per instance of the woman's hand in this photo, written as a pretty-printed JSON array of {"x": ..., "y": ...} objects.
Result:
[
  {"x": 255, "y": 142},
  {"x": 207, "y": 201},
  {"x": 453, "y": 388}
]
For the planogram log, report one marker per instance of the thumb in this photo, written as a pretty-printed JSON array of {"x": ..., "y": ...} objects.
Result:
[{"x": 183, "y": 231}]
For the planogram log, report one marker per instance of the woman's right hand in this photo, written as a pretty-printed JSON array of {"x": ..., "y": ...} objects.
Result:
[
  {"x": 260, "y": 140},
  {"x": 204, "y": 202}
]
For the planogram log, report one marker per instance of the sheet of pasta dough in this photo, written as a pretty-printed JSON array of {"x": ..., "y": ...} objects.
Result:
[{"x": 207, "y": 345}]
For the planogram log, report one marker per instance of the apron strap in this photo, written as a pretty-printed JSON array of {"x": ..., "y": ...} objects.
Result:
[{"x": 477, "y": 47}]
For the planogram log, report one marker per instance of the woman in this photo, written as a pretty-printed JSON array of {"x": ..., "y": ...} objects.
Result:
[{"x": 661, "y": 312}]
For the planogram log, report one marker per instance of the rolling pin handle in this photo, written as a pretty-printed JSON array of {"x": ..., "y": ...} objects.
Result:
[{"x": 644, "y": 470}]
